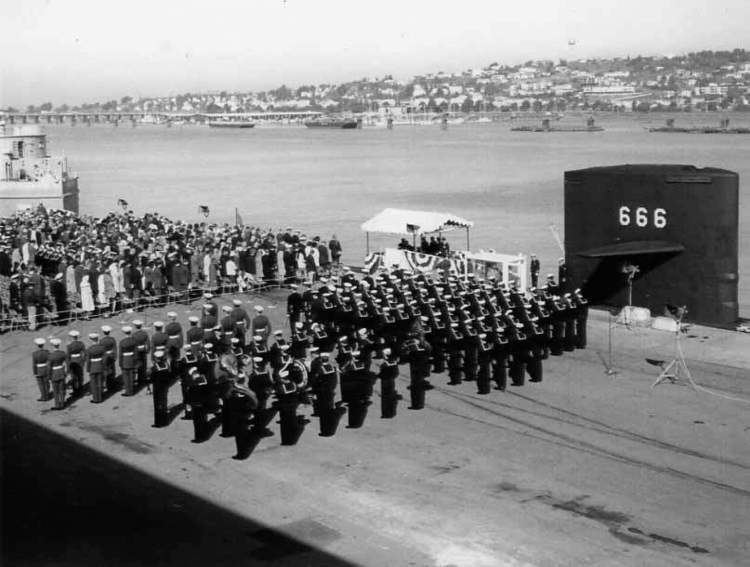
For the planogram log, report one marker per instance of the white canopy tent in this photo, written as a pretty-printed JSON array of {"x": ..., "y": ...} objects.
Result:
[{"x": 405, "y": 222}]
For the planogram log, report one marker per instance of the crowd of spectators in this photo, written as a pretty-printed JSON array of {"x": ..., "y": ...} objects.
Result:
[
  {"x": 56, "y": 264},
  {"x": 435, "y": 246}
]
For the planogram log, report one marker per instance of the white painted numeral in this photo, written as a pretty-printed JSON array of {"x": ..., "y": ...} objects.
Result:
[
  {"x": 624, "y": 216},
  {"x": 660, "y": 218},
  {"x": 642, "y": 217}
]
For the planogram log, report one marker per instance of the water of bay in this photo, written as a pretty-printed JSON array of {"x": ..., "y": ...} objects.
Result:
[{"x": 330, "y": 181}]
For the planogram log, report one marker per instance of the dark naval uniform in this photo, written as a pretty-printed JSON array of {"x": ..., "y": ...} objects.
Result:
[
  {"x": 241, "y": 404},
  {"x": 388, "y": 395},
  {"x": 161, "y": 378}
]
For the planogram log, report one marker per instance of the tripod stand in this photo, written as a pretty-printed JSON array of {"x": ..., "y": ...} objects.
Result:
[{"x": 677, "y": 367}]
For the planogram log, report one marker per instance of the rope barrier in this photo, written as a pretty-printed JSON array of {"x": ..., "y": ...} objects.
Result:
[{"x": 145, "y": 302}]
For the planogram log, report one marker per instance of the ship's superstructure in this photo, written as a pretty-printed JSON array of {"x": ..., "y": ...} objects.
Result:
[{"x": 30, "y": 176}]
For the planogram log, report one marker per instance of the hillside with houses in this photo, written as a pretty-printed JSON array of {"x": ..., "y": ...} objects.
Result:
[{"x": 701, "y": 81}]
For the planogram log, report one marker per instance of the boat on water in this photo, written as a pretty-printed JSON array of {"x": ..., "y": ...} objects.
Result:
[
  {"x": 230, "y": 124},
  {"x": 328, "y": 122},
  {"x": 32, "y": 176},
  {"x": 723, "y": 128}
]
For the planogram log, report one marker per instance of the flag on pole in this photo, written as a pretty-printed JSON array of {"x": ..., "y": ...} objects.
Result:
[
  {"x": 203, "y": 209},
  {"x": 237, "y": 217},
  {"x": 122, "y": 203}
]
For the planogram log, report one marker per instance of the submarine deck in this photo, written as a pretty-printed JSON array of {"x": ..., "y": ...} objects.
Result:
[{"x": 584, "y": 468}]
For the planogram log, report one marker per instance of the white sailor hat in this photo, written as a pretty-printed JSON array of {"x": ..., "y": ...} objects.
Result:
[
  {"x": 550, "y": 276},
  {"x": 362, "y": 332},
  {"x": 172, "y": 315},
  {"x": 207, "y": 346},
  {"x": 343, "y": 338},
  {"x": 193, "y": 319},
  {"x": 519, "y": 325},
  {"x": 187, "y": 348},
  {"x": 158, "y": 353},
  {"x": 207, "y": 306},
  {"x": 258, "y": 308},
  {"x": 208, "y": 295},
  {"x": 298, "y": 325},
  {"x": 75, "y": 334},
  {"x": 39, "y": 341},
  {"x": 314, "y": 350},
  {"x": 293, "y": 286},
  {"x": 193, "y": 370},
  {"x": 284, "y": 348},
  {"x": 278, "y": 333},
  {"x": 355, "y": 353},
  {"x": 324, "y": 280},
  {"x": 258, "y": 359},
  {"x": 482, "y": 335},
  {"x": 93, "y": 336},
  {"x": 226, "y": 309},
  {"x": 454, "y": 324},
  {"x": 235, "y": 340},
  {"x": 137, "y": 323},
  {"x": 325, "y": 354},
  {"x": 283, "y": 374},
  {"x": 54, "y": 341},
  {"x": 257, "y": 338},
  {"x": 237, "y": 301},
  {"x": 106, "y": 329},
  {"x": 127, "y": 329}
]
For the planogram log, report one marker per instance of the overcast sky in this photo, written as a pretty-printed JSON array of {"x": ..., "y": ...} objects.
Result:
[{"x": 75, "y": 51}]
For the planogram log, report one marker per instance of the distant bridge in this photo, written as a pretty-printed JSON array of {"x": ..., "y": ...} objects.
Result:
[{"x": 154, "y": 117}]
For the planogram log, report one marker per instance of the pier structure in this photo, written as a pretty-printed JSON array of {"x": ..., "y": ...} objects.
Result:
[{"x": 149, "y": 117}]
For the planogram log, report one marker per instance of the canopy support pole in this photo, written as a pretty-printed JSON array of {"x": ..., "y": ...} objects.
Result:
[
  {"x": 368, "y": 243},
  {"x": 468, "y": 242}
]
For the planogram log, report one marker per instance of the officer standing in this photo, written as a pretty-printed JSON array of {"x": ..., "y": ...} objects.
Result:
[
  {"x": 261, "y": 383},
  {"x": 294, "y": 307},
  {"x": 76, "y": 361},
  {"x": 188, "y": 361},
  {"x": 194, "y": 335},
  {"x": 227, "y": 329},
  {"x": 96, "y": 363},
  {"x": 161, "y": 378},
  {"x": 455, "y": 354},
  {"x": 128, "y": 361},
  {"x": 388, "y": 395},
  {"x": 58, "y": 373},
  {"x": 142, "y": 348},
  {"x": 198, "y": 396},
  {"x": 110, "y": 347},
  {"x": 173, "y": 331},
  {"x": 260, "y": 325},
  {"x": 242, "y": 403},
  {"x": 356, "y": 389},
  {"x": 534, "y": 268},
  {"x": 240, "y": 320},
  {"x": 158, "y": 339},
  {"x": 287, "y": 401}
]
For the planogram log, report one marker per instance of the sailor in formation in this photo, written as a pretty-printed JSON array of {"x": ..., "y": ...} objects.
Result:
[{"x": 481, "y": 331}]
